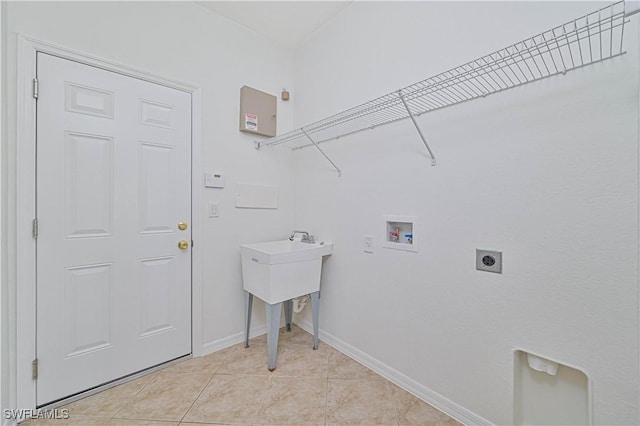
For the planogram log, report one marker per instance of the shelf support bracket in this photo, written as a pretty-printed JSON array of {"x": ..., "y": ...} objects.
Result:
[
  {"x": 322, "y": 152},
  {"x": 415, "y": 123}
]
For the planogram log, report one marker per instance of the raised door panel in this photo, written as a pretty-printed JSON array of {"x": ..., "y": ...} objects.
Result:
[
  {"x": 156, "y": 114},
  {"x": 87, "y": 308},
  {"x": 156, "y": 188},
  {"x": 89, "y": 185},
  {"x": 89, "y": 100},
  {"x": 157, "y": 295}
]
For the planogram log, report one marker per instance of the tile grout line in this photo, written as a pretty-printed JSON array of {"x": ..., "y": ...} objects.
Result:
[
  {"x": 264, "y": 395},
  {"x": 133, "y": 397},
  {"x": 199, "y": 394},
  {"x": 326, "y": 400},
  {"x": 393, "y": 403},
  {"x": 215, "y": 373},
  {"x": 326, "y": 393}
]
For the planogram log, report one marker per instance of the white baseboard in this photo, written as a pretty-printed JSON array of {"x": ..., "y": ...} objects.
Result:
[
  {"x": 443, "y": 404},
  {"x": 225, "y": 342}
]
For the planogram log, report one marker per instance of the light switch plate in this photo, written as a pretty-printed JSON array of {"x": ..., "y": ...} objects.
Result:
[
  {"x": 489, "y": 261},
  {"x": 214, "y": 210},
  {"x": 368, "y": 244}
]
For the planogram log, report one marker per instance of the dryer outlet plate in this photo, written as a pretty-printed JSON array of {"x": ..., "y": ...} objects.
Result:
[{"x": 489, "y": 261}]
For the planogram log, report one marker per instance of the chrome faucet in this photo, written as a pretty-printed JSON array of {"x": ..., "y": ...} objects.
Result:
[{"x": 306, "y": 238}]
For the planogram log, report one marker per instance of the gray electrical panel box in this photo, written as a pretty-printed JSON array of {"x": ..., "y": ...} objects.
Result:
[{"x": 257, "y": 112}]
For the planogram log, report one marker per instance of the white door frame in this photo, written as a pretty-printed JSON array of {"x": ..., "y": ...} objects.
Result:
[{"x": 22, "y": 141}]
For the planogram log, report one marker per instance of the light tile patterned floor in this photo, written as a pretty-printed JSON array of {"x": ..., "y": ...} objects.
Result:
[{"x": 234, "y": 387}]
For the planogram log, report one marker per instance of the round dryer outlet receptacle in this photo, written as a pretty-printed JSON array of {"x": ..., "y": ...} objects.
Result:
[{"x": 489, "y": 260}]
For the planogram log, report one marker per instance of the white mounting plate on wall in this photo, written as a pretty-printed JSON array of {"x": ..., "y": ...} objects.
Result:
[
  {"x": 213, "y": 180},
  {"x": 401, "y": 233},
  {"x": 250, "y": 196}
]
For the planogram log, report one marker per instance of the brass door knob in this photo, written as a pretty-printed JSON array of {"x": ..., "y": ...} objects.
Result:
[
  {"x": 182, "y": 226},
  {"x": 183, "y": 245}
]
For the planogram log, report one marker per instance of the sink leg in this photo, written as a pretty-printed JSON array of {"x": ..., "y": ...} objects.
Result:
[
  {"x": 273, "y": 328},
  {"x": 315, "y": 302},
  {"x": 288, "y": 313},
  {"x": 248, "y": 306}
]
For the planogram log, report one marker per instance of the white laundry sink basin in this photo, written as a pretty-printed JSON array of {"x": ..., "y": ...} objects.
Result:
[
  {"x": 285, "y": 251},
  {"x": 276, "y": 271}
]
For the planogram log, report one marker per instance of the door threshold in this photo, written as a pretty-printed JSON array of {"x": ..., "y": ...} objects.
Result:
[{"x": 103, "y": 387}]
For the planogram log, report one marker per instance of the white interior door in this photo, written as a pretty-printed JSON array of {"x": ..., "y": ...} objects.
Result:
[{"x": 113, "y": 182}]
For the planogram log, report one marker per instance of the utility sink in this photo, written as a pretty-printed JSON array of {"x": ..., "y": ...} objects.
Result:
[{"x": 276, "y": 271}]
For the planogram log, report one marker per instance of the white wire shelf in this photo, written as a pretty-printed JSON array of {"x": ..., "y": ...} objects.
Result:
[{"x": 586, "y": 40}]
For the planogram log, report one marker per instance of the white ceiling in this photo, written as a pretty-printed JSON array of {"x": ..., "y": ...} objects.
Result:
[{"x": 288, "y": 22}]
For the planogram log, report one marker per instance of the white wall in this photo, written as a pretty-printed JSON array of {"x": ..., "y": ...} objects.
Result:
[
  {"x": 4, "y": 342},
  {"x": 547, "y": 173},
  {"x": 186, "y": 42}
]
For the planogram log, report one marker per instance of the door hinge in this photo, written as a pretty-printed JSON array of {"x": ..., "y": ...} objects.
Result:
[
  {"x": 35, "y": 88},
  {"x": 191, "y": 243},
  {"x": 34, "y": 369},
  {"x": 34, "y": 228}
]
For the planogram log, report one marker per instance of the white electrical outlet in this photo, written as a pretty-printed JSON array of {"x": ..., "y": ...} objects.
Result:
[{"x": 368, "y": 244}]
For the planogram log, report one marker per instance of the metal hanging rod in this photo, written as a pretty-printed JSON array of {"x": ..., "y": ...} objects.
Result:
[{"x": 586, "y": 40}]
